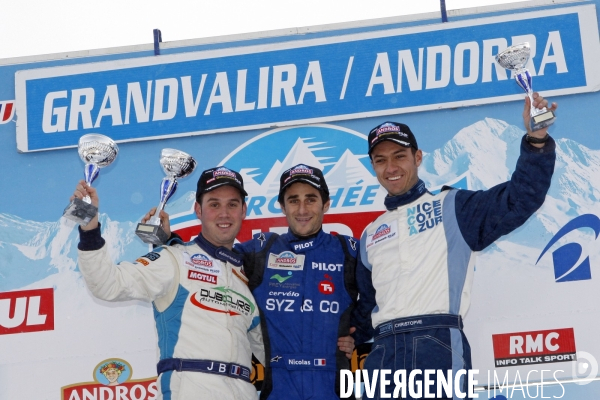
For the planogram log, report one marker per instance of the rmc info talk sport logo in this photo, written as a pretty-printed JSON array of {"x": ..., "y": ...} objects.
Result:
[{"x": 356, "y": 196}]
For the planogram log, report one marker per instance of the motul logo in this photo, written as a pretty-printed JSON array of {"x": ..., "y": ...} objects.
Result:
[{"x": 26, "y": 311}]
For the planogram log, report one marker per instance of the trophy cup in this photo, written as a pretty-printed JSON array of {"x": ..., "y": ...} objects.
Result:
[
  {"x": 96, "y": 151},
  {"x": 176, "y": 165},
  {"x": 515, "y": 58}
]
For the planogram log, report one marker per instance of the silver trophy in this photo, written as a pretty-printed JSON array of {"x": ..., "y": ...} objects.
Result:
[
  {"x": 96, "y": 151},
  {"x": 515, "y": 58},
  {"x": 176, "y": 165}
]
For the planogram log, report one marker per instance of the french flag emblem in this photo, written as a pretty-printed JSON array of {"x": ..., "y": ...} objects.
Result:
[
  {"x": 7, "y": 110},
  {"x": 320, "y": 361},
  {"x": 235, "y": 370}
]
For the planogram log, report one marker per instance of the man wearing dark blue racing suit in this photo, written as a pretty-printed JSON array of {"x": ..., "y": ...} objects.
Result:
[{"x": 304, "y": 284}]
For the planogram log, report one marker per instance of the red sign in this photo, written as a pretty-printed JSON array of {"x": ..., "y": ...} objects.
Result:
[
  {"x": 7, "y": 111},
  {"x": 535, "y": 347},
  {"x": 142, "y": 390},
  {"x": 27, "y": 311}
]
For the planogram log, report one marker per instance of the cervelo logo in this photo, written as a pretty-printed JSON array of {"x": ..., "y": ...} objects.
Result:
[
  {"x": 570, "y": 263},
  {"x": 7, "y": 111},
  {"x": 286, "y": 257},
  {"x": 535, "y": 347},
  {"x": 382, "y": 231},
  {"x": 201, "y": 259},
  {"x": 27, "y": 311}
]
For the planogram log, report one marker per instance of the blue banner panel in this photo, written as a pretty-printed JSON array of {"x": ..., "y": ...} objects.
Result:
[{"x": 352, "y": 76}]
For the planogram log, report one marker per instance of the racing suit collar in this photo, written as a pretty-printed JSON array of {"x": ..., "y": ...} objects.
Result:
[
  {"x": 393, "y": 202},
  {"x": 220, "y": 253},
  {"x": 311, "y": 240}
]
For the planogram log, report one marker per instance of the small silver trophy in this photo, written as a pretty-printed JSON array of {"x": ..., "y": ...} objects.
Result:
[
  {"x": 515, "y": 58},
  {"x": 96, "y": 151},
  {"x": 176, "y": 165}
]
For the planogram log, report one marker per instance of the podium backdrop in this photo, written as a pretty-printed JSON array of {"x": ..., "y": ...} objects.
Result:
[{"x": 265, "y": 103}]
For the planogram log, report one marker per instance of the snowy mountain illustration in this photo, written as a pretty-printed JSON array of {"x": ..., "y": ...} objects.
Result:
[
  {"x": 485, "y": 151},
  {"x": 33, "y": 250}
]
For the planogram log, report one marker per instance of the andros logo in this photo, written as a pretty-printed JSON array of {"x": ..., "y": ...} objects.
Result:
[
  {"x": 301, "y": 169},
  {"x": 201, "y": 259},
  {"x": 570, "y": 264},
  {"x": 112, "y": 380},
  {"x": 223, "y": 172},
  {"x": 286, "y": 258},
  {"x": 381, "y": 231}
]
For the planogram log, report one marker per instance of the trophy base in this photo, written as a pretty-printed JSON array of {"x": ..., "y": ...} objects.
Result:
[
  {"x": 80, "y": 211},
  {"x": 542, "y": 120},
  {"x": 153, "y": 234}
]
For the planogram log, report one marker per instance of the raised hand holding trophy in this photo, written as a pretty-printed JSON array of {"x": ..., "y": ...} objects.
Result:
[
  {"x": 515, "y": 58},
  {"x": 96, "y": 151},
  {"x": 176, "y": 165}
]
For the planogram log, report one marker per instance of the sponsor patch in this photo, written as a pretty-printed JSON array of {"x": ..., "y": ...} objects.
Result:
[
  {"x": 281, "y": 281},
  {"x": 287, "y": 261},
  {"x": 152, "y": 256},
  {"x": 280, "y": 278},
  {"x": 203, "y": 263},
  {"x": 201, "y": 276},
  {"x": 140, "y": 260},
  {"x": 424, "y": 216},
  {"x": 326, "y": 286},
  {"x": 223, "y": 300},
  {"x": 381, "y": 234},
  {"x": 201, "y": 259}
]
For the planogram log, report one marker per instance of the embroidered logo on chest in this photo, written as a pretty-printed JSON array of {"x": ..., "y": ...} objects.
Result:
[
  {"x": 203, "y": 263},
  {"x": 383, "y": 232},
  {"x": 286, "y": 260},
  {"x": 423, "y": 217}
]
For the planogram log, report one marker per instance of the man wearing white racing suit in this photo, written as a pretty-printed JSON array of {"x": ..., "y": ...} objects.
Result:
[
  {"x": 417, "y": 258},
  {"x": 206, "y": 318}
]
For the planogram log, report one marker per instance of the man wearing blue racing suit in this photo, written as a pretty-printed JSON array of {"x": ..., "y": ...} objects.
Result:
[{"x": 304, "y": 284}]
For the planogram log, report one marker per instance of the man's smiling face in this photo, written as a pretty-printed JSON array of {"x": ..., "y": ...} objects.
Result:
[
  {"x": 221, "y": 213},
  {"x": 304, "y": 209},
  {"x": 396, "y": 166}
]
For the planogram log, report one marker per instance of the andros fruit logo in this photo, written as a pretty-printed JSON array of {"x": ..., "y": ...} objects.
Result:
[{"x": 112, "y": 380}]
